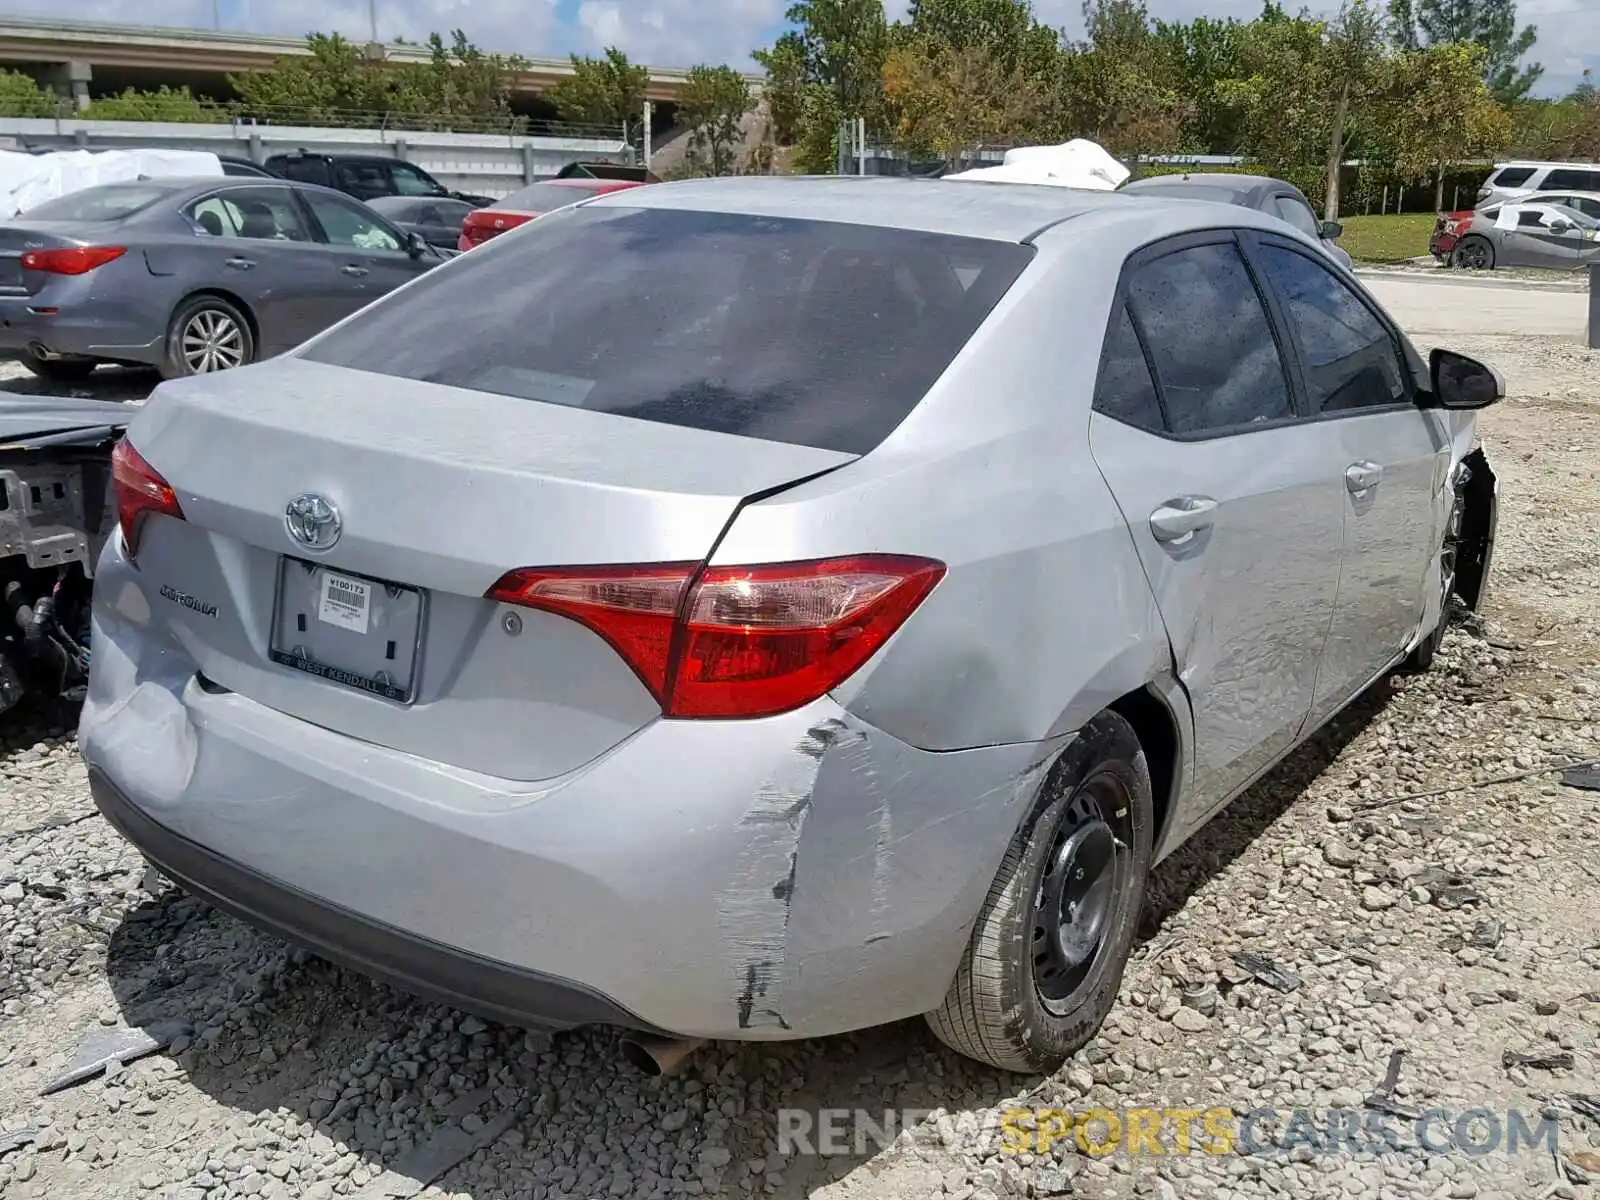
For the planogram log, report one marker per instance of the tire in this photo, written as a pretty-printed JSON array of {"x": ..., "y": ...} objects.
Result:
[
  {"x": 1473, "y": 253},
  {"x": 207, "y": 334},
  {"x": 1017, "y": 1002},
  {"x": 58, "y": 370},
  {"x": 1420, "y": 660}
]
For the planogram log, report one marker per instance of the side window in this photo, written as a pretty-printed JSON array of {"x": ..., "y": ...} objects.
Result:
[
  {"x": 1298, "y": 215},
  {"x": 365, "y": 179},
  {"x": 1570, "y": 179},
  {"x": 1214, "y": 354},
  {"x": 267, "y": 214},
  {"x": 409, "y": 181},
  {"x": 1350, "y": 359},
  {"x": 1532, "y": 218},
  {"x": 306, "y": 170},
  {"x": 1511, "y": 177},
  {"x": 1125, "y": 389},
  {"x": 347, "y": 225}
]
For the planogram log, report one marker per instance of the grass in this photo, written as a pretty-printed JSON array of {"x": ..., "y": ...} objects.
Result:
[{"x": 1389, "y": 239}]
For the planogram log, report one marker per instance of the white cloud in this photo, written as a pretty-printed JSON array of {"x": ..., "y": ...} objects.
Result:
[{"x": 684, "y": 32}]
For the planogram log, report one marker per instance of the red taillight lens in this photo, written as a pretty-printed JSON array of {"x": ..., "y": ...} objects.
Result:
[
  {"x": 71, "y": 260},
  {"x": 482, "y": 224},
  {"x": 736, "y": 641},
  {"x": 139, "y": 490}
]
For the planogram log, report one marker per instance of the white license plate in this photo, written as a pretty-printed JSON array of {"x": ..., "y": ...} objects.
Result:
[{"x": 345, "y": 602}]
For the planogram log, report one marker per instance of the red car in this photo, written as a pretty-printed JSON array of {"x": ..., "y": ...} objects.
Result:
[
  {"x": 533, "y": 201},
  {"x": 1447, "y": 231}
]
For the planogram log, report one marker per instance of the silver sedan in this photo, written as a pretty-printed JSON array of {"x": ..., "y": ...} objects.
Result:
[
  {"x": 1535, "y": 232},
  {"x": 191, "y": 275},
  {"x": 765, "y": 608}
]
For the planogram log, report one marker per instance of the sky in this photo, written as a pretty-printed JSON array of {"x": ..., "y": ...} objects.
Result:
[{"x": 680, "y": 33}]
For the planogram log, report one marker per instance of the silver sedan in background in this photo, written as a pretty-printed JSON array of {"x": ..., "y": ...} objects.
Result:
[
  {"x": 191, "y": 275},
  {"x": 1536, "y": 232}
]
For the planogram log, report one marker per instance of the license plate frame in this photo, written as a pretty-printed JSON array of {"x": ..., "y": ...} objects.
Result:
[{"x": 300, "y": 634}]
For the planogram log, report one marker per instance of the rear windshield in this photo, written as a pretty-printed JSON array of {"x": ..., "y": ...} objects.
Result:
[
  {"x": 108, "y": 202},
  {"x": 546, "y": 197},
  {"x": 811, "y": 332},
  {"x": 1513, "y": 176}
]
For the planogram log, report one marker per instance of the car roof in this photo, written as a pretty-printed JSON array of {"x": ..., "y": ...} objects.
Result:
[
  {"x": 1536, "y": 163},
  {"x": 1224, "y": 180},
  {"x": 1011, "y": 212}
]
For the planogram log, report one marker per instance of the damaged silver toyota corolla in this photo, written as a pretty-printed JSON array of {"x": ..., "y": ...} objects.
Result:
[{"x": 761, "y": 608}]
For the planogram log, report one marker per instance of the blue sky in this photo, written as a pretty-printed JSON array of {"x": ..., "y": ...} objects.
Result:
[{"x": 685, "y": 32}]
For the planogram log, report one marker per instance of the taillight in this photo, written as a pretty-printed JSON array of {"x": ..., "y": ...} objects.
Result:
[
  {"x": 140, "y": 491},
  {"x": 482, "y": 224},
  {"x": 735, "y": 641},
  {"x": 71, "y": 260}
]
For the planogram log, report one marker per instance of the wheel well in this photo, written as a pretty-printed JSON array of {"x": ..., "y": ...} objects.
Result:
[
  {"x": 237, "y": 302},
  {"x": 1152, "y": 720}
]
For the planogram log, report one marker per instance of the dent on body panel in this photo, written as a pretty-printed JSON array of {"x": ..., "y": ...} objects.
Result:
[{"x": 863, "y": 847}]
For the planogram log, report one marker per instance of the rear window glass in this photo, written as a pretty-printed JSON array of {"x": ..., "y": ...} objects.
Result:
[
  {"x": 546, "y": 197},
  {"x": 1578, "y": 181},
  {"x": 1513, "y": 176},
  {"x": 108, "y": 202},
  {"x": 818, "y": 333}
]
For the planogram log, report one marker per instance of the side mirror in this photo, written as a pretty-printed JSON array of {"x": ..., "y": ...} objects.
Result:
[
  {"x": 1460, "y": 382},
  {"x": 1331, "y": 231},
  {"x": 416, "y": 245}
]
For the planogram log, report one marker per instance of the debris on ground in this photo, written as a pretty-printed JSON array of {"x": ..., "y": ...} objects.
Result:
[
  {"x": 1264, "y": 970},
  {"x": 1585, "y": 778},
  {"x": 1553, "y": 1061},
  {"x": 115, "y": 1047}
]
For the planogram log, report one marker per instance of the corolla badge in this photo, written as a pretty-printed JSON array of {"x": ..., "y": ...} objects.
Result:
[{"x": 312, "y": 521}]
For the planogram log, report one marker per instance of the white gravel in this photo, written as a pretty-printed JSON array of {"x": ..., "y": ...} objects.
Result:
[{"x": 1452, "y": 927}]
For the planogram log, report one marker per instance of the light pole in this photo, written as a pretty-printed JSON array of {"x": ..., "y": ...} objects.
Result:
[
  {"x": 372, "y": 18},
  {"x": 216, "y": 14}
]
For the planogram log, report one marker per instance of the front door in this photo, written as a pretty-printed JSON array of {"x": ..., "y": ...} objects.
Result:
[
  {"x": 368, "y": 253},
  {"x": 1538, "y": 239},
  {"x": 1236, "y": 519},
  {"x": 1391, "y": 456}
]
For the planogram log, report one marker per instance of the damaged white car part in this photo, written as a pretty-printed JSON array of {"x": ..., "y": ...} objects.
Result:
[{"x": 617, "y": 655}]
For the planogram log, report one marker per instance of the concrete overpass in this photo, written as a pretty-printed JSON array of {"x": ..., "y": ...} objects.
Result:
[{"x": 87, "y": 59}]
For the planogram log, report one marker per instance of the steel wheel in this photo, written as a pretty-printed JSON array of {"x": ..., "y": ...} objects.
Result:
[
  {"x": 212, "y": 340},
  {"x": 1085, "y": 877}
]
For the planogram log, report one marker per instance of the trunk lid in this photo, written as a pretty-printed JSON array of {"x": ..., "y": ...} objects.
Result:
[{"x": 436, "y": 489}]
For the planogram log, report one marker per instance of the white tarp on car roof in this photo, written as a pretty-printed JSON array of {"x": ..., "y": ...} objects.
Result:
[
  {"x": 1079, "y": 163},
  {"x": 30, "y": 179}
]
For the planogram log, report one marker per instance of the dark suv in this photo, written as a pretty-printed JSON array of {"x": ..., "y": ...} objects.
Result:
[{"x": 364, "y": 176}]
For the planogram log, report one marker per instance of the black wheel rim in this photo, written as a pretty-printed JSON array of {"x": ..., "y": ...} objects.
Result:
[
  {"x": 1082, "y": 889},
  {"x": 1475, "y": 256}
]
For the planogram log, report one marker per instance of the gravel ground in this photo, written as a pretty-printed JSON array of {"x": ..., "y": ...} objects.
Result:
[{"x": 1452, "y": 927}]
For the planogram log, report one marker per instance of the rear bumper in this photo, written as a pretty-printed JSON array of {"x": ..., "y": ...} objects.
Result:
[
  {"x": 796, "y": 876},
  {"x": 84, "y": 330}
]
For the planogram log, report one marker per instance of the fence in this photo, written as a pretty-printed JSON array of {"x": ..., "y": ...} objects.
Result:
[{"x": 481, "y": 163}]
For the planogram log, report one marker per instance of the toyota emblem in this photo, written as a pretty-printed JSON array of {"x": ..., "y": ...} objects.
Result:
[{"x": 312, "y": 521}]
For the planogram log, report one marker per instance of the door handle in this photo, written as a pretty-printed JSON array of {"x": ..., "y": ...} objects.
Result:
[
  {"x": 352, "y": 269},
  {"x": 1362, "y": 476},
  {"x": 1182, "y": 516},
  {"x": 242, "y": 264}
]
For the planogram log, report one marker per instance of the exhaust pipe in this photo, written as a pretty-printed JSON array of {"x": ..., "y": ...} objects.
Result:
[{"x": 659, "y": 1056}]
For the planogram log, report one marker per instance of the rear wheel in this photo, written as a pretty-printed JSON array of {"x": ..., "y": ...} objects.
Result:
[
  {"x": 59, "y": 370},
  {"x": 207, "y": 334},
  {"x": 1474, "y": 253},
  {"x": 1046, "y": 956}
]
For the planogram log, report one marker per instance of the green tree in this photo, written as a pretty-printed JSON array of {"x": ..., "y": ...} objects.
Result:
[
  {"x": 1195, "y": 60},
  {"x": 816, "y": 146},
  {"x": 954, "y": 99},
  {"x": 1438, "y": 111},
  {"x": 845, "y": 43},
  {"x": 1491, "y": 24},
  {"x": 713, "y": 105},
  {"x": 785, "y": 65},
  {"x": 460, "y": 86},
  {"x": 602, "y": 91},
  {"x": 1117, "y": 86},
  {"x": 20, "y": 96},
  {"x": 175, "y": 105},
  {"x": 328, "y": 85}
]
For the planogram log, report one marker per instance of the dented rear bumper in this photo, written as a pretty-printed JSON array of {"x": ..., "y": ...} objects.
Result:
[{"x": 795, "y": 876}]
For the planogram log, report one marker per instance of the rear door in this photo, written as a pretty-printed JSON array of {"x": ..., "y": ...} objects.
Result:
[
  {"x": 1228, "y": 495},
  {"x": 368, "y": 254},
  {"x": 256, "y": 242},
  {"x": 1392, "y": 459}
]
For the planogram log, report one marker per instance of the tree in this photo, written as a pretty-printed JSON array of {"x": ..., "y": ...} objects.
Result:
[
  {"x": 1438, "y": 112},
  {"x": 20, "y": 96},
  {"x": 458, "y": 85},
  {"x": 785, "y": 65},
  {"x": 952, "y": 100},
  {"x": 845, "y": 42},
  {"x": 1491, "y": 24},
  {"x": 1116, "y": 86},
  {"x": 328, "y": 85},
  {"x": 713, "y": 105},
  {"x": 175, "y": 105},
  {"x": 1196, "y": 59},
  {"x": 602, "y": 91}
]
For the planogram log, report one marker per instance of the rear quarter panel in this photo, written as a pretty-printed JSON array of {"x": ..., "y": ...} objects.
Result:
[{"x": 1045, "y": 615}]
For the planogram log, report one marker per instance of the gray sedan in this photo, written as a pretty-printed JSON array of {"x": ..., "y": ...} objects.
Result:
[
  {"x": 191, "y": 275},
  {"x": 436, "y": 218},
  {"x": 1277, "y": 197},
  {"x": 1529, "y": 233},
  {"x": 764, "y": 608}
]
